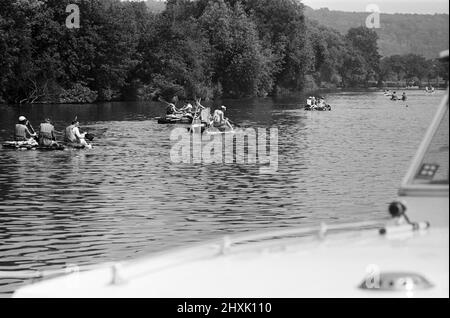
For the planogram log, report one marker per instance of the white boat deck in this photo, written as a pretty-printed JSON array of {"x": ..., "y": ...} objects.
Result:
[{"x": 301, "y": 267}]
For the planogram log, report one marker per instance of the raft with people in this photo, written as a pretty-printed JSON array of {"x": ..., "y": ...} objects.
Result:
[
  {"x": 430, "y": 90},
  {"x": 316, "y": 104},
  {"x": 198, "y": 117},
  {"x": 394, "y": 97},
  {"x": 26, "y": 138},
  {"x": 216, "y": 124},
  {"x": 174, "y": 115}
]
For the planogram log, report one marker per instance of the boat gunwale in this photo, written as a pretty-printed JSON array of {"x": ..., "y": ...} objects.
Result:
[{"x": 407, "y": 187}]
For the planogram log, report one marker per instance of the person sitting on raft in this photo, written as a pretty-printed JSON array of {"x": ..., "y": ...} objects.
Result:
[
  {"x": 219, "y": 119},
  {"x": 22, "y": 133},
  {"x": 172, "y": 109},
  {"x": 321, "y": 103},
  {"x": 73, "y": 135},
  {"x": 188, "y": 110},
  {"x": 394, "y": 96},
  {"x": 404, "y": 97},
  {"x": 47, "y": 134}
]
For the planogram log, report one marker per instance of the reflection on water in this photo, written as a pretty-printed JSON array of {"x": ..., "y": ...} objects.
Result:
[{"x": 125, "y": 198}]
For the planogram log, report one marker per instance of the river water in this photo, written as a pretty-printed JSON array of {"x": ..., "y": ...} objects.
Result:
[{"x": 125, "y": 198}]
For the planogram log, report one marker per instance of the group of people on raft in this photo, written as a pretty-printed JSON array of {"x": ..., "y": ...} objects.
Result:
[
  {"x": 46, "y": 137},
  {"x": 394, "y": 95},
  {"x": 430, "y": 89},
  {"x": 316, "y": 103},
  {"x": 217, "y": 120}
]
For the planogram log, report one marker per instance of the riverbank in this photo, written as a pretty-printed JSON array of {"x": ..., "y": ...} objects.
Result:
[{"x": 286, "y": 94}]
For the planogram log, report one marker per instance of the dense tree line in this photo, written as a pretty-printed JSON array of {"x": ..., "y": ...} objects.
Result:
[
  {"x": 413, "y": 69},
  {"x": 202, "y": 48}
]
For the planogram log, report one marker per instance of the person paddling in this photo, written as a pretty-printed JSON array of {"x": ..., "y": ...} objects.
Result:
[
  {"x": 394, "y": 96},
  {"x": 404, "y": 97},
  {"x": 321, "y": 103},
  {"x": 72, "y": 135},
  {"x": 188, "y": 110},
  {"x": 47, "y": 134},
  {"x": 171, "y": 109},
  {"x": 22, "y": 133}
]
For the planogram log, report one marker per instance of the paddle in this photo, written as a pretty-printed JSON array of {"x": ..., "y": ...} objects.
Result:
[
  {"x": 32, "y": 130},
  {"x": 177, "y": 111},
  {"x": 233, "y": 123},
  {"x": 89, "y": 136},
  {"x": 163, "y": 100}
]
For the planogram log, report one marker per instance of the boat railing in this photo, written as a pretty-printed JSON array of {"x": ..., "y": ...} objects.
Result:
[{"x": 214, "y": 248}]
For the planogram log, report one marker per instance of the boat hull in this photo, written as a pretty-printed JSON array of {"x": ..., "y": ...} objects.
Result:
[
  {"x": 326, "y": 108},
  {"x": 302, "y": 267},
  {"x": 174, "y": 120}
]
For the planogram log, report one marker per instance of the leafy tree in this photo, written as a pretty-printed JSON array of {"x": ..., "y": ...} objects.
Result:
[{"x": 364, "y": 40}]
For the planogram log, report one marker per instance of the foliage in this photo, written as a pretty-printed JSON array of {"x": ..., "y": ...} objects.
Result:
[
  {"x": 399, "y": 34},
  {"x": 188, "y": 49},
  {"x": 412, "y": 68},
  {"x": 79, "y": 93}
]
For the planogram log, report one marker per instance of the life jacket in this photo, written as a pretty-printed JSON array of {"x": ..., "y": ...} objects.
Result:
[
  {"x": 69, "y": 135},
  {"x": 46, "y": 134},
  {"x": 46, "y": 131},
  {"x": 21, "y": 132}
]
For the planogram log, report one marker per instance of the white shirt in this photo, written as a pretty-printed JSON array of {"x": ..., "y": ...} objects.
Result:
[{"x": 76, "y": 132}]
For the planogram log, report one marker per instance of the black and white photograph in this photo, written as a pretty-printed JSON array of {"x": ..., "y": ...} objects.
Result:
[{"x": 255, "y": 150}]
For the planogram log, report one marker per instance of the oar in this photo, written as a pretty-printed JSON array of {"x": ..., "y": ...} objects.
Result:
[
  {"x": 31, "y": 127},
  {"x": 233, "y": 123},
  {"x": 163, "y": 100},
  {"x": 32, "y": 130}
]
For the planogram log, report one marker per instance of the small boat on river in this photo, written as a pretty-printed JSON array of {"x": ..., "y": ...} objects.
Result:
[
  {"x": 318, "y": 108},
  {"x": 175, "y": 119},
  {"x": 203, "y": 124}
]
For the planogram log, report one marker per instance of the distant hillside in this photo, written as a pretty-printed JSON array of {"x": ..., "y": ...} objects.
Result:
[
  {"x": 422, "y": 34},
  {"x": 156, "y": 5},
  {"x": 399, "y": 33}
]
